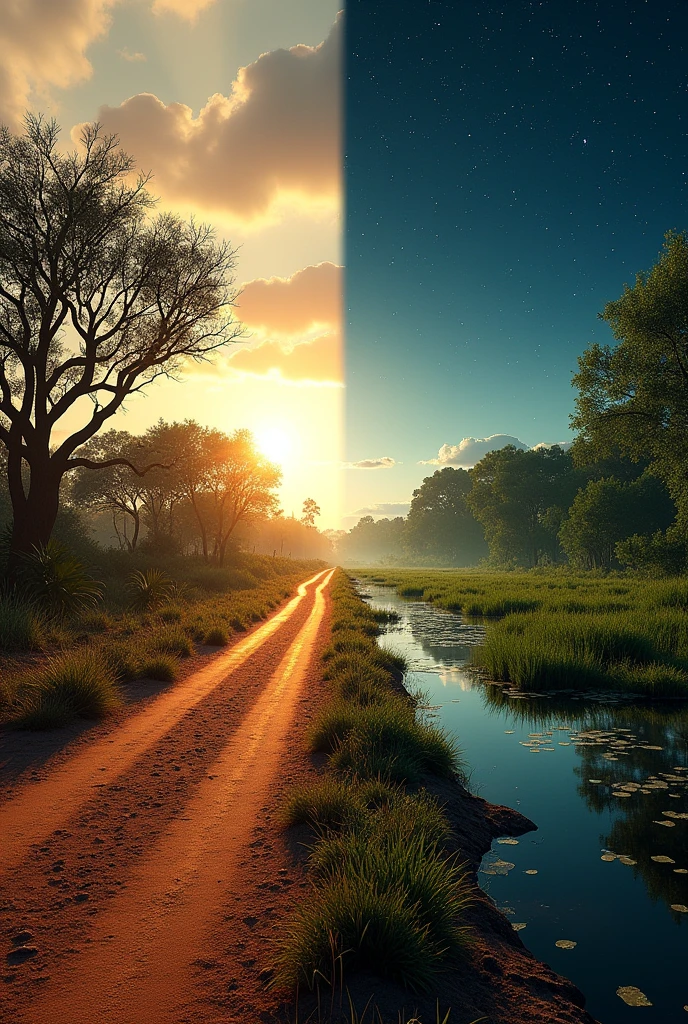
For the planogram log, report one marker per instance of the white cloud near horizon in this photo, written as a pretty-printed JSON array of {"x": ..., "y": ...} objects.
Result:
[
  {"x": 385, "y": 462},
  {"x": 277, "y": 135},
  {"x": 470, "y": 450}
]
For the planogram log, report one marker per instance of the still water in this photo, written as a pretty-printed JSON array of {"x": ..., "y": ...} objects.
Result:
[{"x": 607, "y": 785}]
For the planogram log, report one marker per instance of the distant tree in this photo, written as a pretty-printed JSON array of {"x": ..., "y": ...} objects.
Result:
[
  {"x": 608, "y": 511},
  {"x": 440, "y": 527},
  {"x": 633, "y": 396},
  {"x": 373, "y": 540},
  {"x": 311, "y": 509},
  {"x": 96, "y": 301},
  {"x": 520, "y": 498},
  {"x": 114, "y": 489}
]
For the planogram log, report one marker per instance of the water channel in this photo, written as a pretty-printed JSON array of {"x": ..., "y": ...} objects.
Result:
[{"x": 606, "y": 783}]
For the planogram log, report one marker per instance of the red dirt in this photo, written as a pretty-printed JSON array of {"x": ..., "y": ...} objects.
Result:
[{"x": 146, "y": 867}]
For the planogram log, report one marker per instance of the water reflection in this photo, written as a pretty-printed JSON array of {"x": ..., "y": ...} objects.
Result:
[{"x": 607, "y": 783}]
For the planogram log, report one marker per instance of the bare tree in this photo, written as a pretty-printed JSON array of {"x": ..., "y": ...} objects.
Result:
[{"x": 97, "y": 299}]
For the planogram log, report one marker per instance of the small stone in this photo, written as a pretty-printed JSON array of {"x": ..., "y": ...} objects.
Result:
[{"x": 21, "y": 953}]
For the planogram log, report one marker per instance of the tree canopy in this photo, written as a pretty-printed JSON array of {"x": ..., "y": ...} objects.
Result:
[{"x": 97, "y": 299}]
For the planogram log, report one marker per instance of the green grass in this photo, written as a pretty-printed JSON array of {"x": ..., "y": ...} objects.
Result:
[
  {"x": 202, "y": 604},
  {"x": 74, "y": 685},
  {"x": 566, "y": 630},
  {"x": 386, "y": 895},
  {"x": 21, "y": 626}
]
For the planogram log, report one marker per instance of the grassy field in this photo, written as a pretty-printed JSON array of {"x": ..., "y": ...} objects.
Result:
[
  {"x": 71, "y": 639},
  {"x": 563, "y": 630},
  {"x": 386, "y": 896}
]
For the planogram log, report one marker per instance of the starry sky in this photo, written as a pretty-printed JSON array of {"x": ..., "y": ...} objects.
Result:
[{"x": 508, "y": 168}]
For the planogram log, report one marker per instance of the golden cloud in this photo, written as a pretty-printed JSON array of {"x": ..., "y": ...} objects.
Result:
[
  {"x": 43, "y": 43},
  {"x": 277, "y": 135},
  {"x": 187, "y": 9},
  {"x": 293, "y": 305},
  {"x": 319, "y": 360}
]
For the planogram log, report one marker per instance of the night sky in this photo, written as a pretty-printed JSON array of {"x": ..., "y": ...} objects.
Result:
[{"x": 508, "y": 168}]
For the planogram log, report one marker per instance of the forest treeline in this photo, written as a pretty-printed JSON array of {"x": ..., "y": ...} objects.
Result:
[{"x": 618, "y": 498}]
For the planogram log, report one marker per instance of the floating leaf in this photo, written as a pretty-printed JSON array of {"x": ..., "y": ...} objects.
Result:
[
  {"x": 680, "y": 908},
  {"x": 681, "y": 871},
  {"x": 595, "y": 782},
  {"x": 667, "y": 824},
  {"x": 632, "y": 996},
  {"x": 609, "y": 857},
  {"x": 628, "y": 860},
  {"x": 509, "y": 732},
  {"x": 565, "y": 944},
  {"x": 564, "y": 743},
  {"x": 661, "y": 859},
  {"x": 518, "y": 926},
  {"x": 498, "y": 867},
  {"x": 531, "y": 871},
  {"x": 508, "y": 842}
]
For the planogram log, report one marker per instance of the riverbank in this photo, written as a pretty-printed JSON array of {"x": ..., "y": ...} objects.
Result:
[
  {"x": 556, "y": 630},
  {"x": 489, "y": 975}
]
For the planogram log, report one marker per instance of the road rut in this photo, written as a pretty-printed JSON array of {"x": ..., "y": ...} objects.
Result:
[{"x": 133, "y": 955}]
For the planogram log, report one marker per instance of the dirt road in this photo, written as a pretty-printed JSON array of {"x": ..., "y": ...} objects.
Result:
[{"x": 120, "y": 868}]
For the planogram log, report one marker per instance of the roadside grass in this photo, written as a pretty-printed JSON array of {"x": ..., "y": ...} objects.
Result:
[
  {"x": 77, "y": 684},
  {"x": 387, "y": 896},
  {"x": 132, "y": 637},
  {"x": 566, "y": 630}
]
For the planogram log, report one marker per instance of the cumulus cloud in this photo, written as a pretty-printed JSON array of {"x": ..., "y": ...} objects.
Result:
[
  {"x": 277, "y": 134},
  {"x": 564, "y": 445},
  {"x": 471, "y": 450},
  {"x": 319, "y": 360},
  {"x": 293, "y": 305},
  {"x": 43, "y": 44},
  {"x": 383, "y": 463},
  {"x": 187, "y": 9}
]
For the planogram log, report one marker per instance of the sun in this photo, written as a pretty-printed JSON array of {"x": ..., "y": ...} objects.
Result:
[{"x": 276, "y": 443}]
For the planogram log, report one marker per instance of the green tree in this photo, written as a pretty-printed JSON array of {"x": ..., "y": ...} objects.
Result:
[
  {"x": 608, "y": 511},
  {"x": 440, "y": 527},
  {"x": 371, "y": 541},
  {"x": 97, "y": 299},
  {"x": 633, "y": 396},
  {"x": 520, "y": 498},
  {"x": 311, "y": 509}
]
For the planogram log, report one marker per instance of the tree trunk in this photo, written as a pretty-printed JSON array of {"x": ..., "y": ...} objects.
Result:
[{"x": 33, "y": 514}]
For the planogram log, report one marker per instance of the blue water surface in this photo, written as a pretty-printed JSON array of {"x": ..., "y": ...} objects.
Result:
[{"x": 617, "y": 911}]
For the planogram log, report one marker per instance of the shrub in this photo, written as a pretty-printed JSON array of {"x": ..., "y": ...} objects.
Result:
[
  {"x": 21, "y": 628},
  {"x": 164, "y": 668},
  {"x": 173, "y": 641},
  {"x": 76, "y": 684},
  {"x": 57, "y": 581},
  {"x": 216, "y": 637},
  {"x": 150, "y": 588},
  {"x": 328, "y": 803}
]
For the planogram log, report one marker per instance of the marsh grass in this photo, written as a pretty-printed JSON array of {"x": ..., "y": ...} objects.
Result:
[
  {"x": 386, "y": 895},
  {"x": 567, "y": 630}
]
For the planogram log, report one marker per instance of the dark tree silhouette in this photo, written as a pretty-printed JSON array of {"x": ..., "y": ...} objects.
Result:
[{"x": 97, "y": 299}]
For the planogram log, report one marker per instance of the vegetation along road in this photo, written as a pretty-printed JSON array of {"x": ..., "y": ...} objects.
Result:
[{"x": 123, "y": 864}]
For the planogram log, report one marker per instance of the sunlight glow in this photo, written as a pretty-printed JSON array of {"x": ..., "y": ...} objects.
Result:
[{"x": 276, "y": 443}]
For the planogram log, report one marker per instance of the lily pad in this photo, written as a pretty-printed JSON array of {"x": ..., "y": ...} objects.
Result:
[
  {"x": 565, "y": 944},
  {"x": 681, "y": 871},
  {"x": 609, "y": 857},
  {"x": 628, "y": 860},
  {"x": 680, "y": 908},
  {"x": 531, "y": 871},
  {"x": 509, "y": 732},
  {"x": 632, "y": 996},
  {"x": 498, "y": 867},
  {"x": 518, "y": 926},
  {"x": 595, "y": 782},
  {"x": 661, "y": 859},
  {"x": 508, "y": 842}
]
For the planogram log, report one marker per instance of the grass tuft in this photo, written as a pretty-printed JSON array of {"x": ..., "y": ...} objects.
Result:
[{"x": 78, "y": 684}]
